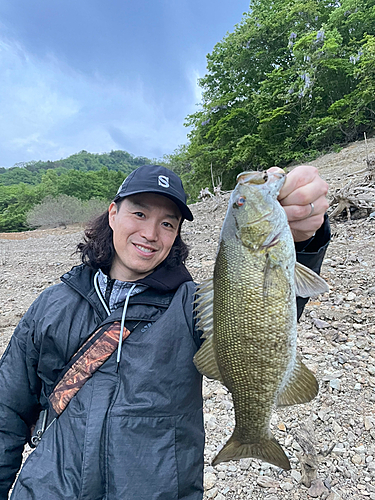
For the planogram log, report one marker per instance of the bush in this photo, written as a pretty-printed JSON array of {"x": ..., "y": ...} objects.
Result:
[{"x": 63, "y": 210}]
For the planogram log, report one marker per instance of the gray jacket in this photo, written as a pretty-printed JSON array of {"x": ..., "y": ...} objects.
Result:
[{"x": 132, "y": 433}]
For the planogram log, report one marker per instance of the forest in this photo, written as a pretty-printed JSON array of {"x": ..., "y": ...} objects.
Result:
[
  {"x": 295, "y": 79},
  {"x": 83, "y": 176}
]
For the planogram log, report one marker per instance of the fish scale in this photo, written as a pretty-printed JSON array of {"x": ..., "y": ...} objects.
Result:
[
  {"x": 247, "y": 330},
  {"x": 248, "y": 315}
]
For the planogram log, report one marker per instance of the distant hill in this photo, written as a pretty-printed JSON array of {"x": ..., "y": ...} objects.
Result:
[
  {"x": 31, "y": 172},
  {"x": 84, "y": 176}
]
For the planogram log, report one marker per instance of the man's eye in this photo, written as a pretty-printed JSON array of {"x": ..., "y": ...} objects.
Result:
[
  {"x": 139, "y": 214},
  {"x": 167, "y": 224}
]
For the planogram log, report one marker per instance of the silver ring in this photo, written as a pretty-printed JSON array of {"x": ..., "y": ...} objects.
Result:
[{"x": 311, "y": 211}]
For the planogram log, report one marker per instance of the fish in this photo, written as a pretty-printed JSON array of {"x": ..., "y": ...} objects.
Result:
[{"x": 247, "y": 312}]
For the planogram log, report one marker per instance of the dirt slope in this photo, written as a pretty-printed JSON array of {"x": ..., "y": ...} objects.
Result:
[{"x": 336, "y": 339}]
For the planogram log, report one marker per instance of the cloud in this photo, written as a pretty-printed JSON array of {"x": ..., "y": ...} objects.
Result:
[
  {"x": 49, "y": 111},
  {"x": 193, "y": 77}
]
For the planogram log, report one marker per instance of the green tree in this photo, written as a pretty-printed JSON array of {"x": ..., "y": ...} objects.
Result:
[
  {"x": 294, "y": 78},
  {"x": 15, "y": 201}
]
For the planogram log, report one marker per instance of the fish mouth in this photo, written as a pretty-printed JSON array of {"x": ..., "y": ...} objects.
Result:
[
  {"x": 252, "y": 178},
  {"x": 258, "y": 177}
]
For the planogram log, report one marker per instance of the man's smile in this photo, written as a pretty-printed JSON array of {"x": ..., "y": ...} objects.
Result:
[{"x": 144, "y": 249}]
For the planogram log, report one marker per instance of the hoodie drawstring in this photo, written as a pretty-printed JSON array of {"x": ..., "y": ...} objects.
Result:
[
  {"x": 123, "y": 323},
  {"x": 97, "y": 289},
  {"x": 99, "y": 293}
]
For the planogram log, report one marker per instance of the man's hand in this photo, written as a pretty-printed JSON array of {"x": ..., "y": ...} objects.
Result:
[{"x": 303, "y": 198}]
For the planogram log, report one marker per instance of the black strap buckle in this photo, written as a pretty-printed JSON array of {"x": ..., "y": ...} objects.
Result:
[{"x": 39, "y": 429}]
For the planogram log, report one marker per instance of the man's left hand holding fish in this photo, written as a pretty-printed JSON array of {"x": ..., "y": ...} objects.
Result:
[{"x": 303, "y": 198}]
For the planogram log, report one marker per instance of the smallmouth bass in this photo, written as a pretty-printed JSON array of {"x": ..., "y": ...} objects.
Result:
[{"x": 249, "y": 317}]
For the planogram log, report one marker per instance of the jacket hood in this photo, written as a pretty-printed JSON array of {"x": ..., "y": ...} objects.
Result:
[
  {"x": 166, "y": 279},
  {"x": 163, "y": 279}
]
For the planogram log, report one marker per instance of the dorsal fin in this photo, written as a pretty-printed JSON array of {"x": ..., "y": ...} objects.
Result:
[{"x": 204, "y": 307}]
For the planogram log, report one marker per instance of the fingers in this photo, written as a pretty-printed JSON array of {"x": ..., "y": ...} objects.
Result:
[
  {"x": 303, "y": 185},
  {"x": 302, "y": 212},
  {"x": 303, "y": 230},
  {"x": 303, "y": 188}
]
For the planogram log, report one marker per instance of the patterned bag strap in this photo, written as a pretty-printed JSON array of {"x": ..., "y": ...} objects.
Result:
[{"x": 91, "y": 355}]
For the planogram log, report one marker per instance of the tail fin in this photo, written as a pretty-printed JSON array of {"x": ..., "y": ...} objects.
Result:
[{"x": 265, "y": 449}]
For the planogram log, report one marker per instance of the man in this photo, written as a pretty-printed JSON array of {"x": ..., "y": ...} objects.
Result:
[{"x": 134, "y": 428}]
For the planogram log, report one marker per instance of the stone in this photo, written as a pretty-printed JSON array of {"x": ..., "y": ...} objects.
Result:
[
  {"x": 297, "y": 476},
  {"x": 334, "y": 495},
  {"x": 339, "y": 449},
  {"x": 356, "y": 459},
  {"x": 245, "y": 463},
  {"x": 335, "y": 384},
  {"x": 209, "y": 481},
  {"x": 319, "y": 323},
  {"x": 286, "y": 486},
  {"x": 336, "y": 427},
  {"x": 324, "y": 414},
  {"x": 317, "y": 488},
  {"x": 212, "y": 493},
  {"x": 267, "y": 482},
  {"x": 368, "y": 423},
  {"x": 360, "y": 449}
]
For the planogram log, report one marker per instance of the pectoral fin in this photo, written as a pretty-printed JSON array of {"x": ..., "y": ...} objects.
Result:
[
  {"x": 308, "y": 283},
  {"x": 205, "y": 360},
  {"x": 301, "y": 387}
]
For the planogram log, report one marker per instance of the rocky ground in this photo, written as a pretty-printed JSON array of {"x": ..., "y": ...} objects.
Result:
[{"x": 335, "y": 433}]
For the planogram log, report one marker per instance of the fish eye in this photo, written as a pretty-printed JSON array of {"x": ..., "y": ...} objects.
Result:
[{"x": 241, "y": 200}]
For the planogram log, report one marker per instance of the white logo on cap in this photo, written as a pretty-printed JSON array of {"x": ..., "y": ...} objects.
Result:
[
  {"x": 163, "y": 181},
  {"x": 119, "y": 189}
]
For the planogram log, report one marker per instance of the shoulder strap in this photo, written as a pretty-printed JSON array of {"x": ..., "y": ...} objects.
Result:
[{"x": 91, "y": 356}]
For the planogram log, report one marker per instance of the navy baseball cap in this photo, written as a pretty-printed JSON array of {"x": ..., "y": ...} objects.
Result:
[{"x": 159, "y": 180}]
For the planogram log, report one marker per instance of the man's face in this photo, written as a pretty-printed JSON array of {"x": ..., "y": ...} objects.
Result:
[{"x": 144, "y": 229}]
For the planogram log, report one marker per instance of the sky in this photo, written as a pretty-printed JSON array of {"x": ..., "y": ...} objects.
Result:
[{"x": 99, "y": 76}]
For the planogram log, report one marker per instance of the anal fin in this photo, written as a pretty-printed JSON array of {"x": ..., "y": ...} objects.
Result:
[{"x": 301, "y": 387}]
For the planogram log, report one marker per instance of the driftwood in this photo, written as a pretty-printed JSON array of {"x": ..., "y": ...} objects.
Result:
[
  {"x": 352, "y": 196},
  {"x": 358, "y": 193},
  {"x": 308, "y": 457},
  {"x": 205, "y": 194}
]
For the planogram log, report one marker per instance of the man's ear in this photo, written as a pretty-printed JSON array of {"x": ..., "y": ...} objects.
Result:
[{"x": 112, "y": 212}]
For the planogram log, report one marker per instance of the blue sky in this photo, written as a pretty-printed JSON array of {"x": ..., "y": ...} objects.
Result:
[{"x": 95, "y": 75}]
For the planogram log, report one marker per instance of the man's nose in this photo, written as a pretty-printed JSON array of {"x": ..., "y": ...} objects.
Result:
[{"x": 150, "y": 231}]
